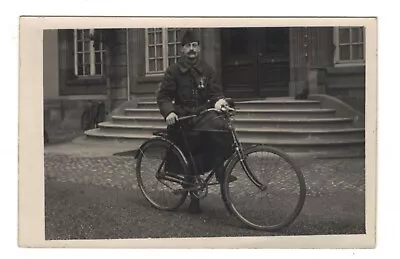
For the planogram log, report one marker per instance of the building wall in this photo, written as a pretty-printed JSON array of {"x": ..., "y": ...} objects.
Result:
[
  {"x": 211, "y": 49},
  {"x": 50, "y": 64},
  {"x": 73, "y": 88},
  {"x": 51, "y": 105},
  {"x": 66, "y": 96},
  {"x": 68, "y": 82},
  {"x": 119, "y": 68},
  {"x": 310, "y": 47},
  {"x": 312, "y": 55},
  {"x": 143, "y": 86},
  {"x": 345, "y": 83}
]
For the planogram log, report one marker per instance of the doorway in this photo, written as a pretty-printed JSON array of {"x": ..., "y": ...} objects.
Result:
[{"x": 255, "y": 62}]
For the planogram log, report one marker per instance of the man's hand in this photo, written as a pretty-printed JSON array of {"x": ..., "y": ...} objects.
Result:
[
  {"x": 220, "y": 103},
  {"x": 171, "y": 118}
]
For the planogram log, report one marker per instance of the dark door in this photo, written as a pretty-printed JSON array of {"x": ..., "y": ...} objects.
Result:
[{"x": 255, "y": 62}]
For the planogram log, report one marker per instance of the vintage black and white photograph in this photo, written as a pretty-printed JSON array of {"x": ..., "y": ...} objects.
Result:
[{"x": 167, "y": 131}]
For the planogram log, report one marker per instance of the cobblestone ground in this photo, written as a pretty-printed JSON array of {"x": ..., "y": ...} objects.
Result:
[
  {"x": 334, "y": 204},
  {"x": 58, "y": 135},
  {"x": 116, "y": 171},
  {"x": 323, "y": 177}
]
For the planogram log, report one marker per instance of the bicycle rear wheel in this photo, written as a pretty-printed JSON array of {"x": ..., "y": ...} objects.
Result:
[
  {"x": 160, "y": 167},
  {"x": 270, "y": 191}
]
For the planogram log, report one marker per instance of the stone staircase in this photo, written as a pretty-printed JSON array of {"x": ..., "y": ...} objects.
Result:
[{"x": 296, "y": 126}]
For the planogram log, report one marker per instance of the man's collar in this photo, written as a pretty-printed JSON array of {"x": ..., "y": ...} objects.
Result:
[{"x": 185, "y": 66}]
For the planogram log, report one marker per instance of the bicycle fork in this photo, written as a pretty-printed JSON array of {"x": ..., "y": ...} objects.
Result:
[{"x": 239, "y": 151}]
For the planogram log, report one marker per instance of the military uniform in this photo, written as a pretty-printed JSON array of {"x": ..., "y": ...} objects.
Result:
[
  {"x": 189, "y": 87},
  {"x": 194, "y": 89}
]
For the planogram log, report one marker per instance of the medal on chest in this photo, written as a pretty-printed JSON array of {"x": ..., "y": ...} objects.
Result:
[{"x": 202, "y": 83}]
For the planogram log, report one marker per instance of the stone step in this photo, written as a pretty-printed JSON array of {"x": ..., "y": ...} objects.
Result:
[
  {"x": 355, "y": 147},
  {"x": 279, "y": 114},
  {"x": 294, "y": 123},
  {"x": 250, "y": 113},
  {"x": 256, "y": 104},
  {"x": 296, "y": 126},
  {"x": 248, "y": 133}
]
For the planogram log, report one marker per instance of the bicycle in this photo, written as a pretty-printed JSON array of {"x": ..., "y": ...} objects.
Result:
[
  {"x": 249, "y": 211},
  {"x": 93, "y": 115}
]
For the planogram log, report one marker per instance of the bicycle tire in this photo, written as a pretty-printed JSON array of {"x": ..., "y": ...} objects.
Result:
[
  {"x": 233, "y": 208},
  {"x": 146, "y": 148},
  {"x": 226, "y": 166}
]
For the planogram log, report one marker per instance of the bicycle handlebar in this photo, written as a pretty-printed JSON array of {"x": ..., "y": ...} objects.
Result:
[{"x": 224, "y": 109}]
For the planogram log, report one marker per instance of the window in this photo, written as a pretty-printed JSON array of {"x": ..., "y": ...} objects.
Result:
[
  {"x": 162, "y": 48},
  {"x": 349, "y": 42},
  {"x": 89, "y": 53}
]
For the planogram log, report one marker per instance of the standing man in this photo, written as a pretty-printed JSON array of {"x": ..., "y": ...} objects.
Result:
[{"x": 189, "y": 87}]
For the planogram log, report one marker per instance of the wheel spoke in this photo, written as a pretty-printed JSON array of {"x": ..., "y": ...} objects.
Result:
[
  {"x": 157, "y": 186},
  {"x": 262, "y": 200},
  {"x": 269, "y": 202}
]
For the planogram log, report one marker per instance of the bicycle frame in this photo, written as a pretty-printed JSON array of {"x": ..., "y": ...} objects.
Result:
[
  {"x": 191, "y": 167},
  {"x": 240, "y": 152},
  {"x": 193, "y": 170},
  {"x": 197, "y": 185},
  {"x": 227, "y": 113}
]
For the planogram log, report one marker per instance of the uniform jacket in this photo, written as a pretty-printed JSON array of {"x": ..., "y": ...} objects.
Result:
[{"x": 192, "y": 88}]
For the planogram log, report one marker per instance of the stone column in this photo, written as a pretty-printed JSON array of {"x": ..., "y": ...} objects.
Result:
[
  {"x": 297, "y": 60},
  {"x": 50, "y": 64},
  {"x": 211, "y": 49},
  {"x": 135, "y": 58},
  {"x": 311, "y": 49}
]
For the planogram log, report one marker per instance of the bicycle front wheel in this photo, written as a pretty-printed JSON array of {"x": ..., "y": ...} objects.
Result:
[
  {"x": 270, "y": 191},
  {"x": 160, "y": 167}
]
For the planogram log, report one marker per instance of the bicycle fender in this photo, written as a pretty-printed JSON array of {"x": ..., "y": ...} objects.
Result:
[
  {"x": 145, "y": 143},
  {"x": 185, "y": 161}
]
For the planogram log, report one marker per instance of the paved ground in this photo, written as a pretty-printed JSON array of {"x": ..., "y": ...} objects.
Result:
[{"x": 92, "y": 194}]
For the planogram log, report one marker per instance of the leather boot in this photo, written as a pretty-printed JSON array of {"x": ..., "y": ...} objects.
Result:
[
  {"x": 194, "y": 206},
  {"x": 220, "y": 171},
  {"x": 220, "y": 178}
]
